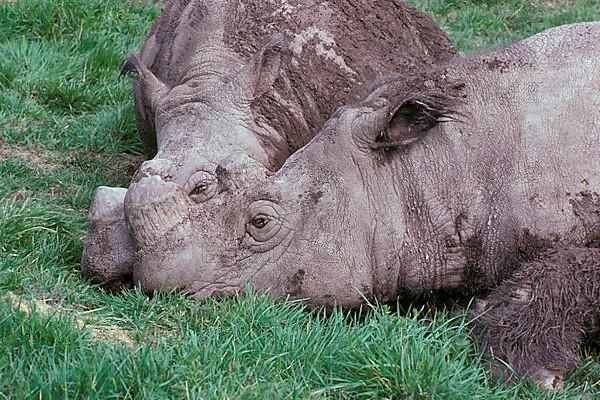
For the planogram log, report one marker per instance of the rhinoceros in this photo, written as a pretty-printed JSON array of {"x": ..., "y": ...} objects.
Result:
[
  {"x": 226, "y": 91},
  {"x": 440, "y": 180}
]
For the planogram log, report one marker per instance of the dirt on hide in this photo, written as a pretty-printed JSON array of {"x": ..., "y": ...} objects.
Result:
[
  {"x": 325, "y": 66},
  {"x": 586, "y": 206},
  {"x": 537, "y": 319},
  {"x": 419, "y": 42},
  {"x": 475, "y": 281}
]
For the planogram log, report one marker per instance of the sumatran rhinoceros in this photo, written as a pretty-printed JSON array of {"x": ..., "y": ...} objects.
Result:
[
  {"x": 441, "y": 180},
  {"x": 225, "y": 91},
  {"x": 447, "y": 174}
]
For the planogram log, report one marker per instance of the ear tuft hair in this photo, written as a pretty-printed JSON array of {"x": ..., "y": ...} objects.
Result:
[
  {"x": 431, "y": 108},
  {"x": 261, "y": 71},
  {"x": 412, "y": 117}
]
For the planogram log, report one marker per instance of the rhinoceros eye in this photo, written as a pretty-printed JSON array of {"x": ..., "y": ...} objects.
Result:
[
  {"x": 265, "y": 226},
  {"x": 260, "y": 221},
  {"x": 201, "y": 186}
]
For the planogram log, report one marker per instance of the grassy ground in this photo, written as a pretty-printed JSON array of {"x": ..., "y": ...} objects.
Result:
[{"x": 67, "y": 126}]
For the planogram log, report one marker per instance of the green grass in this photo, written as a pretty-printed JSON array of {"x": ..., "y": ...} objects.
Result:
[
  {"x": 67, "y": 126},
  {"x": 474, "y": 24}
]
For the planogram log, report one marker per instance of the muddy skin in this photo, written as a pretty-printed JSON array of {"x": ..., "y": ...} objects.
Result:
[
  {"x": 226, "y": 91},
  {"x": 332, "y": 51},
  {"x": 537, "y": 319}
]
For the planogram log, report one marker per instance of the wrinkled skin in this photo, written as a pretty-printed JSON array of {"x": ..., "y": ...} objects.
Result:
[
  {"x": 389, "y": 198},
  {"x": 226, "y": 91}
]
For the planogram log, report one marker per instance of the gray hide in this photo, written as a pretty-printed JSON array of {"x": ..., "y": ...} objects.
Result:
[
  {"x": 226, "y": 91},
  {"x": 427, "y": 179}
]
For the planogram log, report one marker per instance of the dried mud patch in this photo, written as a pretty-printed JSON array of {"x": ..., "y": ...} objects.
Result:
[
  {"x": 36, "y": 157},
  {"x": 19, "y": 195},
  {"x": 120, "y": 164},
  {"x": 112, "y": 333},
  {"x": 45, "y": 308}
]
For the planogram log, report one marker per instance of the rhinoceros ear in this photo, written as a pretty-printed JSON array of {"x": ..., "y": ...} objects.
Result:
[
  {"x": 413, "y": 116},
  {"x": 261, "y": 71},
  {"x": 148, "y": 88}
]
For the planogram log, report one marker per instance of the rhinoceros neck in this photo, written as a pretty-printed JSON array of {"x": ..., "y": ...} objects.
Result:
[
  {"x": 424, "y": 200},
  {"x": 519, "y": 169}
]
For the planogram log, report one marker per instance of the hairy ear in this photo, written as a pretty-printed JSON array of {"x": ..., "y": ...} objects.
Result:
[
  {"x": 412, "y": 117},
  {"x": 260, "y": 73},
  {"x": 150, "y": 88},
  {"x": 147, "y": 90}
]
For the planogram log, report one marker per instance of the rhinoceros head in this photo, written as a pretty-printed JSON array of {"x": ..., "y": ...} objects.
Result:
[
  {"x": 206, "y": 118},
  {"x": 206, "y": 143}
]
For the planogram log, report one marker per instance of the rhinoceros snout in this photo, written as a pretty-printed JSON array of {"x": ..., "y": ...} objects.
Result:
[{"x": 191, "y": 268}]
